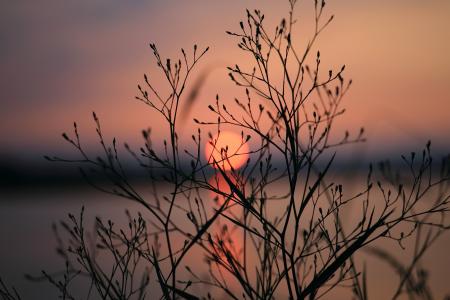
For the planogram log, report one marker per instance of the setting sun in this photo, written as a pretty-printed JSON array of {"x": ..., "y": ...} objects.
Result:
[{"x": 227, "y": 149}]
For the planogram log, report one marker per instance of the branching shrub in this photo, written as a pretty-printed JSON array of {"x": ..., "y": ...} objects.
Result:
[{"x": 259, "y": 241}]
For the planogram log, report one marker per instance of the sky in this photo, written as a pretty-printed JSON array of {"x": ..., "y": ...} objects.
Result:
[{"x": 59, "y": 61}]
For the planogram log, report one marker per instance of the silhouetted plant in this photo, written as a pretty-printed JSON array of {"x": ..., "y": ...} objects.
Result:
[
  {"x": 8, "y": 293},
  {"x": 256, "y": 244}
]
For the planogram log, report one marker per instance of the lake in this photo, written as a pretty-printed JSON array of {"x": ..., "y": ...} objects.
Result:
[{"x": 27, "y": 244}]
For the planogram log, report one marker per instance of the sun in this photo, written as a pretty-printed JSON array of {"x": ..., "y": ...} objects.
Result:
[{"x": 227, "y": 149}]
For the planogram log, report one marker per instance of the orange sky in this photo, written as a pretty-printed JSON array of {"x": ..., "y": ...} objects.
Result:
[{"x": 59, "y": 62}]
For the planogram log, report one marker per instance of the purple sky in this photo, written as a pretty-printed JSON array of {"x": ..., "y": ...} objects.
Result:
[{"x": 59, "y": 61}]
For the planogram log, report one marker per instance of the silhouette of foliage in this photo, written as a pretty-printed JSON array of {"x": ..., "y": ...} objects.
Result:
[
  {"x": 256, "y": 243},
  {"x": 8, "y": 293}
]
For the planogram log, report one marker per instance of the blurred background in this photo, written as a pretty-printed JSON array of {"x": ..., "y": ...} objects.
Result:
[{"x": 60, "y": 60}]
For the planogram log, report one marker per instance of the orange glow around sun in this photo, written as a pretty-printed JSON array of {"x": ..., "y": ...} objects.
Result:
[{"x": 227, "y": 150}]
